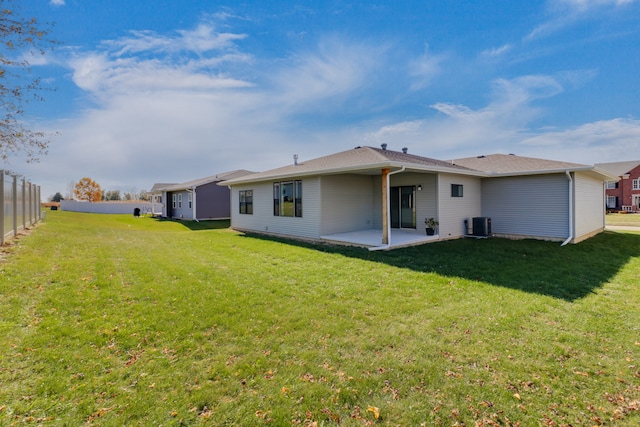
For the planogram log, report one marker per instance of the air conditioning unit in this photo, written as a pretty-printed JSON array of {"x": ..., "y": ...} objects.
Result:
[{"x": 482, "y": 226}]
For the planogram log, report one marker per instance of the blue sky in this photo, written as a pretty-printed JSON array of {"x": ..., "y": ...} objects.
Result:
[{"x": 164, "y": 91}]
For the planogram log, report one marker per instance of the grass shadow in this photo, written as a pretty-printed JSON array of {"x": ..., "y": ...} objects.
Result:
[
  {"x": 566, "y": 272},
  {"x": 192, "y": 225}
]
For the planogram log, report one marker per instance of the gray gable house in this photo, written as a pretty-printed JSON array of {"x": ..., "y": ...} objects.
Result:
[
  {"x": 200, "y": 199},
  {"x": 380, "y": 198}
]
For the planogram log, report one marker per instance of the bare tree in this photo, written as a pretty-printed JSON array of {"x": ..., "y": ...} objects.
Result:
[{"x": 20, "y": 38}]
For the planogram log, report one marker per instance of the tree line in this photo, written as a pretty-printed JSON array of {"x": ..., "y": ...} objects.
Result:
[{"x": 88, "y": 190}]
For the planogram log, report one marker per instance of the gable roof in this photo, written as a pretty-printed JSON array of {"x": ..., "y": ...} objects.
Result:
[
  {"x": 363, "y": 160},
  {"x": 512, "y": 165},
  {"x": 200, "y": 181},
  {"x": 619, "y": 168},
  {"x": 157, "y": 187},
  {"x": 370, "y": 161},
  {"x": 496, "y": 164}
]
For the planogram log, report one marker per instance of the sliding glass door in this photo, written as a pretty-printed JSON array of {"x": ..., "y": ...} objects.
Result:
[{"x": 403, "y": 207}]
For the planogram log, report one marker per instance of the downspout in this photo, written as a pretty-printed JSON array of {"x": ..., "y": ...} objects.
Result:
[
  {"x": 388, "y": 213},
  {"x": 570, "y": 209},
  {"x": 193, "y": 207}
]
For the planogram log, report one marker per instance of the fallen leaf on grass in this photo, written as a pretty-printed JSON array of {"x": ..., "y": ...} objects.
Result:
[
  {"x": 517, "y": 396},
  {"x": 375, "y": 410}
]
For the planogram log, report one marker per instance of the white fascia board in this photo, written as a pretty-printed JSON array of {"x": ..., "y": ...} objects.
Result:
[{"x": 549, "y": 171}]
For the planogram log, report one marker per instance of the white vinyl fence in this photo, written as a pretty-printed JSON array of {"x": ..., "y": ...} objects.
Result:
[
  {"x": 105, "y": 207},
  {"x": 21, "y": 205}
]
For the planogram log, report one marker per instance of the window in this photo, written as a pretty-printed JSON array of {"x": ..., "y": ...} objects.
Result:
[
  {"x": 246, "y": 202},
  {"x": 174, "y": 198},
  {"x": 456, "y": 190},
  {"x": 180, "y": 200},
  {"x": 287, "y": 198},
  {"x": 612, "y": 202},
  {"x": 611, "y": 185},
  {"x": 190, "y": 200},
  {"x": 636, "y": 184}
]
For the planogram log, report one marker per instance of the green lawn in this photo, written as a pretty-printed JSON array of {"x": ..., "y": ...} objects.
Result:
[
  {"x": 112, "y": 320},
  {"x": 623, "y": 219}
]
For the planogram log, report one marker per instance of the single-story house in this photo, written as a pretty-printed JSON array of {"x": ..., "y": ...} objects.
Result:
[
  {"x": 623, "y": 195},
  {"x": 200, "y": 199},
  {"x": 380, "y": 198}
]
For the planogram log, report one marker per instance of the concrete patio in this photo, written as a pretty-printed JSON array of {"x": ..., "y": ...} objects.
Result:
[{"x": 372, "y": 239}]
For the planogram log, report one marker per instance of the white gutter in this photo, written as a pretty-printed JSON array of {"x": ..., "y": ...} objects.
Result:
[
  {"x": 388, "y": 213},
  {"x": 570, "y": 209}
]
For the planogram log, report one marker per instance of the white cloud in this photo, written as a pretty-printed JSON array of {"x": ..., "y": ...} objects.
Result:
[
  {"x": 584, "y": 5},
  {"x": 524, "y": 89},
  {"x": 564, "y": 13},
  {"x": 57, "y": 2},
  {"x": 597, "y": 142},
  {"x": 200, "y": 40},
  {"x": 336, "y": 69},
  {"x": 423, "y": 69},
  {"x": 497, "y": 51},
  {"x": 504, "y": 126}
]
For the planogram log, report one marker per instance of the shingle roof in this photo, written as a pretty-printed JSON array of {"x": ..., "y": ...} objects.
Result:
[
  {"x": 159, "y": 186},
  {"x": 354, "y": 160},
  {"x": 510, "y": 163},
  {"x": 201, "y": 181},
  {"x": 619, "y": 168}
]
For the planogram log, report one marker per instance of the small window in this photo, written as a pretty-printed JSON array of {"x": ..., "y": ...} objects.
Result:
[
  {"x": 179, "y": 200},
  {"x": 456, "y": 190},
  {"x": 190, "y": 200},
  {"x": 174, "y": 197},
  {"x": 611, "y": 185},
  {"x": 246, "y": 202},
  {"x": 612, "y": 202},
  {"x": 636, "y": 184}
]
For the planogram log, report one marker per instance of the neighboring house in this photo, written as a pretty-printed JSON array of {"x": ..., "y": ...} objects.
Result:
[
  {"x": 623, "y": 194},
  {"x": 199, "y": 199},
  {"x": 380, "y": 198}
]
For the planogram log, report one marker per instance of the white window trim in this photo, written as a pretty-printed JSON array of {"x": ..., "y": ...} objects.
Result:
[
  {"x": 174, "y": 198},
  {"x": 179, "y": 201},
  {"x": 190, "y": 200}
]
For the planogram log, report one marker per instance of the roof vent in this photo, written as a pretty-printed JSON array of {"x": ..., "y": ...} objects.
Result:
[
  {"x": 295, "y": 159},
  {"x": 481, "y": 157},
  {"x": 404, "y": 150},
  {"x": 358, "y": 147},
  {"x": 384, "y": 146}
]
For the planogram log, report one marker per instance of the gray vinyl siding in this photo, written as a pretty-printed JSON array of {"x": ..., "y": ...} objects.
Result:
[
  {"x": 212, "y": 202},
  {"x": 534, "y": 206},
  {"x": 589, "y": 205},
  {"x": 183, "y": 212},
  {"x": 454, "y": 210},
  {"x": 263, "y": 220},
  {"x": 347, "y": 203}
]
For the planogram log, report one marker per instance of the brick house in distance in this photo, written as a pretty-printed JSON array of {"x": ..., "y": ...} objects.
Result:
[{"x": 623, "y": 195}]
